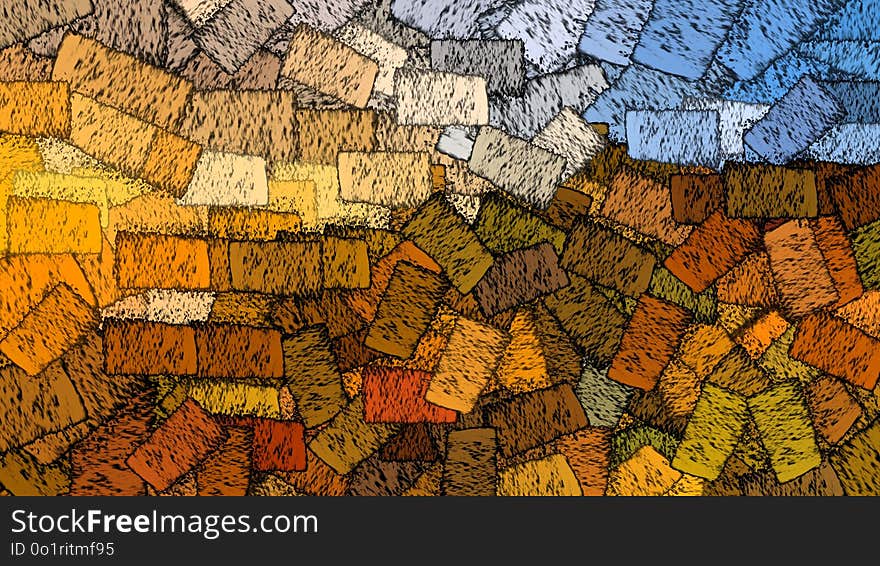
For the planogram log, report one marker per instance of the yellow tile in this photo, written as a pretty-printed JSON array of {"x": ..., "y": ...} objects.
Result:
[
  {"x": 647, "y": 472},
  {"x": 53, "y": 226},
  {"x": 229, "y": 397},
  {"x": 58, "y": 186},
  {"x": 550, "y": 476}
]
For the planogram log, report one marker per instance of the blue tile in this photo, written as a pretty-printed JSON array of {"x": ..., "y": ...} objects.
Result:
[
  {"x": 861, "y": 59},
  {"x": 778, "y": 78},
  {"x": 613, "y": 29},
  {"x": 685, "y": 137},
  {"x": 797, "y": 120},
  {"x": 853, "y": 144},
  {"x": 859, "y": 99},
  {"x": 638, "y": 88},
  {"x": 681, "y": 36},
  {"x": 857, "y": 19},
  {"x": 767, "y": 29}
]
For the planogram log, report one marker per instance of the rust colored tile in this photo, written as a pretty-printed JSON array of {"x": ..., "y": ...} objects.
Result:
[
  {"x": 839, "y": 258},
  {"x": 227, "y": 472},
  {"x": 35, "y": 108},
  {"x": 833, "y": 409},
  {"x": 643, "y": 204},
  {"x": 149, "y": 348},
  {"x": 603, "y": 256},
  {"x": 186, "y": 438},
  {"x": 522, "y": 422},
  {"x": 713, "y": 249},
  {"x": 749, "y": 284},
  {"x": 588, "y": 452},
  {"x": 832, "y": 345},
  {"x": 799, "y": 269},
  {"x": 238, "y": 351},
  {"x": 695, "y": 196},
  {"x": 855, "y": 196},
  {"x": 145, "y": 261},
  {"x": 98, "y": 462},
  {"x": 49, "y": 330},
  {"x": 863, "y": 313},
  {"x": 277, "y": 268},
  {"x": 122, "y": 81},
  {"x": 279, "y": 446},
  {"x": 649, "y": 342},
  {"x": 329, "y": 66},
  {"x": 397, "y": 395}
]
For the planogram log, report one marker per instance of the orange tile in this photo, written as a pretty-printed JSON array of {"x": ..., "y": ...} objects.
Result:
[
  {"x": 145, "y": 261},
  {"x": 35, "y": 109},
  {"x": 834, "y": 346},
  {"x": 52, "y": 327}
]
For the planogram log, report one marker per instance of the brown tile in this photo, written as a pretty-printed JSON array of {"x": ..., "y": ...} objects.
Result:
[
  {"x": 519, "y": 277},
  {"x": 522, "y": 421},
  {"x": 121, "y": 81},
  {"x": 603, "y": 256},
  {"x": 695, "y": 196},
  {"x": 238, "y": 352},
  {"x": 329, "y": 66},
  {"x": 278, "y": 268},
  {"x": 249, "y": 122},
  {"x": 149, "y": 348},
  {"x": 405, "y": 311}
]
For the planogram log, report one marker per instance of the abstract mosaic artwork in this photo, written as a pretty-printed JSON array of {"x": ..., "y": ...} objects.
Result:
[{"x": 439, "y": 247}]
